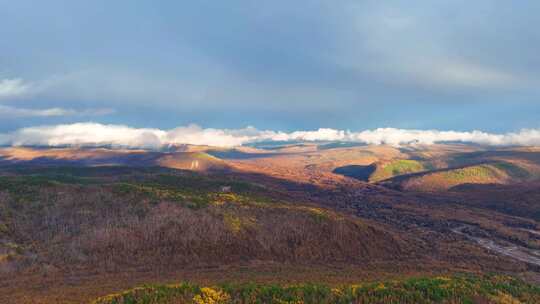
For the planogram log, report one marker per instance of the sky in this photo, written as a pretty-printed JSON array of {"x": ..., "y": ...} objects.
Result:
[{"x": 282, "y": 66}]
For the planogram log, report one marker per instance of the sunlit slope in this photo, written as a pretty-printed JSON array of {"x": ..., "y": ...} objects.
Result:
[
  {"x": 442, "y": 167},
  {"x": 195, "y": 161},
  {"x": 379, "y": 171},
  {"x": 443, "y": 289},
  {"x": 397, "y": 167},
  {"x": 189, "y": 158},
  {"x": 485, "y": 173}
]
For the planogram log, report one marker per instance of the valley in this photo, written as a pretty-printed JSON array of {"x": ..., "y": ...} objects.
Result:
[{"x": 83, "y": 222}]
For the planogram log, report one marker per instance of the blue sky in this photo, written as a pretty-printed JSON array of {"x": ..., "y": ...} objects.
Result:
[{"x": 279, "y": 65}]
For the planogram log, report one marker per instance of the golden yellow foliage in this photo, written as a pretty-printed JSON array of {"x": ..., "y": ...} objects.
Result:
[
  {"x": 237, "y": 224},
  {"x": 211, "y": 296},
  {"x": 380, "y": 286},
  {"x": 4, "y": 257},
  {"x": 504, "y": 298}
]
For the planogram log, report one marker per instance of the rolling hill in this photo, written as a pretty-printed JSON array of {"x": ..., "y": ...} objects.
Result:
[
  {"x": 493, "y": 172},
  {"x": 379, "y": 171},
  {"x": 110, "y": 217},
  {"x": 78, "y": 224}
]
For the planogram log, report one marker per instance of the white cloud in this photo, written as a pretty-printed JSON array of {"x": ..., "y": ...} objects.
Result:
[
  {"x": 11, "y": 88},
  {"x": 95, "y": 134},
  {"x": 7, "y": 111},
  {"x": 195, "y": 135},
  {"x": 86, "y": 134}
]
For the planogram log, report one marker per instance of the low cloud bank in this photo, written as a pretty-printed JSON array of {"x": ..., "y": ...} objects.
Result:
[{"x": 95, "y": 134}]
